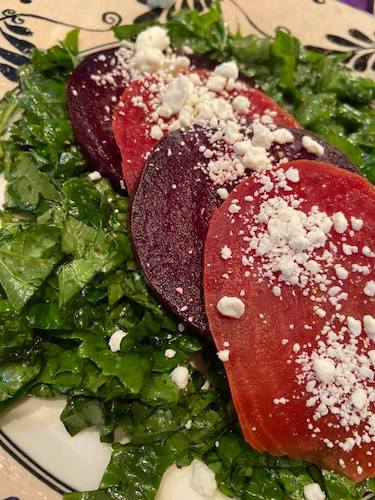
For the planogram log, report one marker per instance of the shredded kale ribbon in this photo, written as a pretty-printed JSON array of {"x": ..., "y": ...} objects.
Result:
[{"x": 68, "y": 279}]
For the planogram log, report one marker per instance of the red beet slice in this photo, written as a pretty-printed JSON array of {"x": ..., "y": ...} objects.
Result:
[
  {"x": 132, "y": 124},
  {"x": 131, "y": 129},
  {"x": 90, "y": 107},
  {"x": 170, "y": 214},
  {"x": 299, "y": 357}
]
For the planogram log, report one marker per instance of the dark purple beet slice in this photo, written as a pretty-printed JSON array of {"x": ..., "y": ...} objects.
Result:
[
  {"x": 90, "y": 109},
  {"x": 171, "y": 211},
  {"x": 295, "y": 151},
  {"x": 168, "y": 225}
]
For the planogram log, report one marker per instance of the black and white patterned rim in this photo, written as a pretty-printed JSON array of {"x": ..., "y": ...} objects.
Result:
[{"x": 32, "y": 466}]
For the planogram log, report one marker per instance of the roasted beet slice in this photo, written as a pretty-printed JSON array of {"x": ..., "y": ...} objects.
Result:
[
  {"x": 299, "y": 355},
  {"x": 132, "y": 121},
  {"x": 296, "y": 151},
  {"x": 170, "y": 214},
  {"x": 131, "y": 129},
  {"x": 169, "y": 218},
  {"x": 90, "y": 106}
]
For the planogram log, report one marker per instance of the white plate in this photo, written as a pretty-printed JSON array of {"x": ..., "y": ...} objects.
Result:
[{"x": 38, "y": 459}]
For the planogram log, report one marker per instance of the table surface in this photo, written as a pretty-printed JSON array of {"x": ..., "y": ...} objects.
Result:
[{"x": 367, "y": 5}]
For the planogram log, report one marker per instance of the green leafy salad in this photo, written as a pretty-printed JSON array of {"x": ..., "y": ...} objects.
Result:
[{"x": 68, "y": 279}]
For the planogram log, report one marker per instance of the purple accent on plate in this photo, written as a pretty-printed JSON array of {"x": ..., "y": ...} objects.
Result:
[{"x": 367, "y": 5}]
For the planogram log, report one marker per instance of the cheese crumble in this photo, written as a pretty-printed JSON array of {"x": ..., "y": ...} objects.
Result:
[
  {"x": 180, "y": 376},
  {"x": 116, "y": 339},
  {"x": 232, "y": 307}
]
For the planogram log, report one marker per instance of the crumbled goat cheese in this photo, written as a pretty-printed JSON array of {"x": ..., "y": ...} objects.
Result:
[
  {"x": 349, "y": 249},
  {"x": 187, "y": 50},
  {"x": 222, "y": 193},
  {"x": 176, "y": 94},
  {"x": 359, "y": 399},
  {"x": 365, "y": 270},
  {"x": 367, "y": 252},
  {"x": 369, "y": 289},
  {"x": 280, "y": 401},
  {"x": 188, "y": 424},
  {"x": 241, "y": 147},
  {"x": 341, "y": 272},
  {"x": 149, "y": 60},
  {"x": 232, "y": 307},
  {"x": 282, "y": 136},
  {"x": 356, "y": 223},
  {"x": 241, "y": 104},
  {"x": 206, "y": 385},
  {"x": 288, "y": 239},
  {"x": 227, "y": 70},
  {"x": 369, "y": 326},
  {"x": 226, "y": 253},
  {"x": 149, "y": 56},
  {"x": 95, "y": 176},
  {"x": 216, "y": 83},
  {"x": 223, "y": 355},
  {"x": 180, "y": 376},
  {"x": 156, "y": 132},
  {"x": 233, "y": 208},
  {"x": 354, "y": 326},
  {"x": 154, "y": 37},
  {"x": 325, "y": 370},
  {"x": 170, "y": 353},
  {"x": 296, "y": 347},
  {"x": 312, "y": 146},
  {"x": 256, "y": 158},
  {"x": 292, "y": 175},
  {"x": 262, "y": 136},
  {"x": 115, "y": 340},
  {"x": 340, "y": 222}
]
